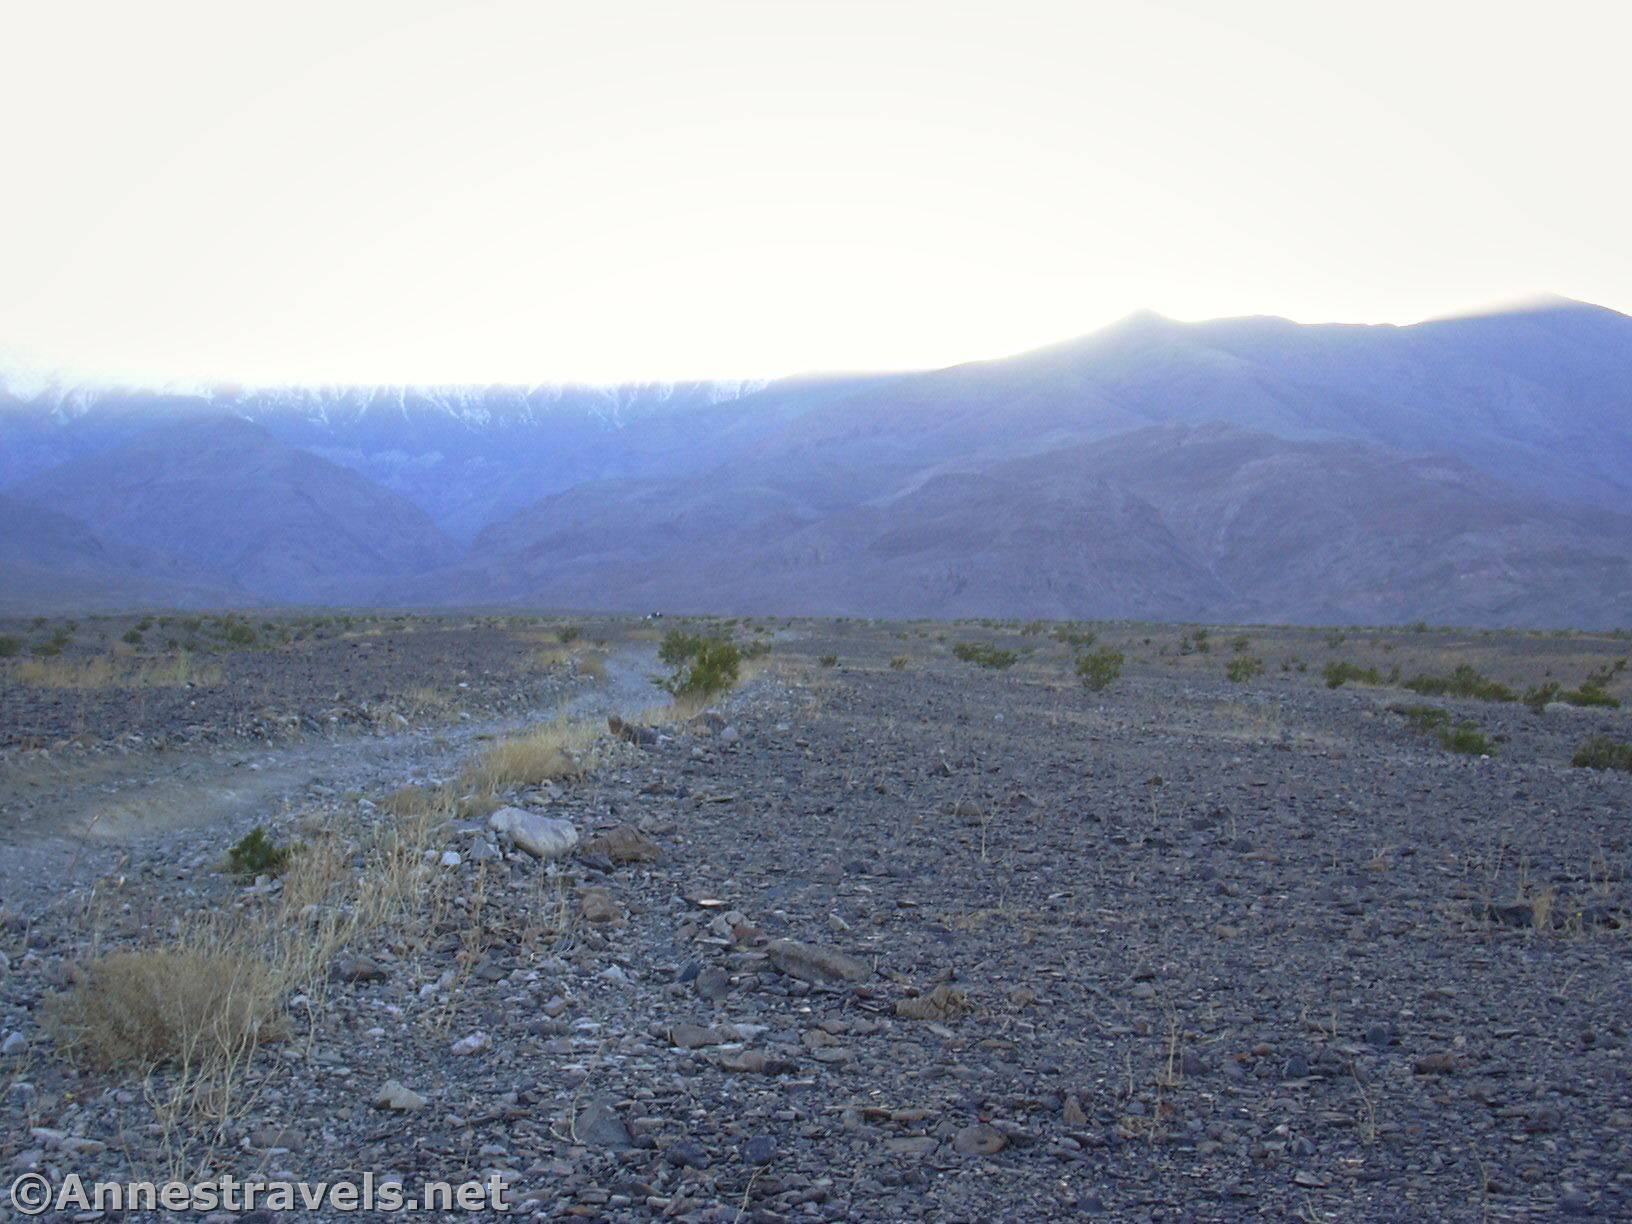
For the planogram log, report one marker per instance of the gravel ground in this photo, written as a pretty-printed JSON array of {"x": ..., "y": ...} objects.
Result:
[{"x": 936, "y": 941}]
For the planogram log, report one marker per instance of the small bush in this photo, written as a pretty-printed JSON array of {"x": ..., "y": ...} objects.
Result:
[
  {"x": 1538, "y": 696},
  {"x": 1339, "y": 674},
  {"x": 1244, "y": 667},
  {"x": 10, "y": 647},
  {"x": 1423, "y": 718},
  {"x": 1601, "y": 752},
  {"x": 1100, "y": 669},
  {"x": 1466, "y": 738},
  {"x": 1464, "y": 681},
  {"x": 185, "y": 1004},
  {"x": 985, "y": 656},
  {"x": 1591, "y": 694},
  {"x": 899, "y": 663},
  {"x": 678, "y": 646},
  {"x": 568, "y": 634},
  {"x": 133, "y": 636},
  {"x": 240, "y": 634},
  {"x": 555, "y": 751},
  {"x": 256, "y": 854},
  {"x": 711, "y": 667},
  {"x": 829, "y": 660},
  {"x": 1080, "y": 639}
]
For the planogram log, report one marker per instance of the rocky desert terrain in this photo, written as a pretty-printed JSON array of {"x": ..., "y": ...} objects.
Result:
[{"x": 918, "y": 921}]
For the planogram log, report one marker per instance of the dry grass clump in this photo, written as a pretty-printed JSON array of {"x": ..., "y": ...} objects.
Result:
[
  {"x": 593, "y": 665},
  {"x": 560, "y": 749},
  {"x": 196, "y": 1003},
  {"x": 109, "y": 671}
]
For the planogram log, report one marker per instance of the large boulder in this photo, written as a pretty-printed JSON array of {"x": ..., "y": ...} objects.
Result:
[{"x": 543, "y": 837}]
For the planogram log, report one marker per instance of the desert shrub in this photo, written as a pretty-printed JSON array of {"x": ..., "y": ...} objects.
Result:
[
  {"x": 257, "y": 854},
  {"x": 1594, "y": 689},
  {"x": 1464, "y": 681},
  {"x": 133, "y": 636},
  {"x": 1601, "y": 752},
  {"x": 239, "y": 633},
  {"x": 1100, "y": 669},
  {"x": 829, "y": 660},
  {"x": 1081, "y": 639},
  {"x": 678, "y": 646},
  {"x": 1244, "y": 667},
  {"x": 1240, "y": 644},
  {"x": 549, "y": 753},
  {"x": 1423, "y": 717},
  {"x": 568, "y": 634},
  {"x": 10, "y": 647},
  {"x": 1339, "y": 674},
  {"x": 1466, "y": 738},
  {"x": 711, "y": 667},
  {"x": 899, "y": 663},
  {"x": 1539, "y": 695},
  {"x": 184, "y": 1003},
  {"x": 985, "y": 656}
]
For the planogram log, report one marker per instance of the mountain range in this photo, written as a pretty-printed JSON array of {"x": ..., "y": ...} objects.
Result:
[{"x": 1468, "y": 470}]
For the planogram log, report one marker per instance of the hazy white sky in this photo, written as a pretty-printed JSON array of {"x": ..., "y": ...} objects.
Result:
[{"x": 411, "y": 190}]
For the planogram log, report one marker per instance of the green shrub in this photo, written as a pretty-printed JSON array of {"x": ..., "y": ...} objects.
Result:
[
  {"x": 1240, "y": 644},
  {"x": 1339, "y": 674},
  {"x": 568, "y": 634},
  {"x": 1538, "y": 696},
  {"x": 1243, "y": 668},
  {"x": 133, "y": 636},
  {"x": 1081, "y": 639},
  {"x": 1100, "y": 669},
  {"x": 1464, "y": 681},
  {"x": 829, "y": 660},
  {"x": 1601, "y": 752},
  {"x": 678, "y": 646},
  {"x": 1591, "y": 693},
  {"x": 1466, "y": 738},
  {"x": 985, "y": 656},
  {"x": 239, "y": 633},
  {"x": 710, "y": 666},
  {"x": 1423, "y": 717},
  {"x": 256, "y": 854},
  {"x": 10, "y": 647},
  {"x": 899, "y": 663}
]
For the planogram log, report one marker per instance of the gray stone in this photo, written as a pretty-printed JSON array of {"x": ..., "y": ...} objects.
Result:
[{"x": 543, "y": 837}]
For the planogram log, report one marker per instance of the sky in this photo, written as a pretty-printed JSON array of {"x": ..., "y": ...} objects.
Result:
[{"x": 486, "y": 191}]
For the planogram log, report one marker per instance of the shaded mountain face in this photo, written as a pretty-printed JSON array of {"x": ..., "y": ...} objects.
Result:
[
  {"x": 224, "y": 499},
  {"x": 467, "y": 456},
  {"x": 49, "y": 561},
  {"x": 1476, "y": 470},
  {"x": 1171, "y": 522}
]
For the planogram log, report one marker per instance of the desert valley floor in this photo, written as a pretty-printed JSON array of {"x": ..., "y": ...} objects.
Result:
[{"x": 891, "y": 930}]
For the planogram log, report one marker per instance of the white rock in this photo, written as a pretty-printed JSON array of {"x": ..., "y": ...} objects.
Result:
[
  {"x": 450, "y": 858},
  {"x": 474, "y": 1044},
  {"x": 543, "y": 837},
  {"x": 394, "y": 1096},
  {"x": 14, "y": 1044}
]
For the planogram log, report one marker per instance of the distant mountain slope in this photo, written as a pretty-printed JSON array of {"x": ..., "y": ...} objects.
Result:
[
  {"x": 1539, "y": 397},
  {"x": 467, "y": 456},
  {"x": 1171, "y": 522},
  {"x": 1475, "y": 469},
  {"x": 224, "y": 497},
  {"x": 49, "y": 560}
]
